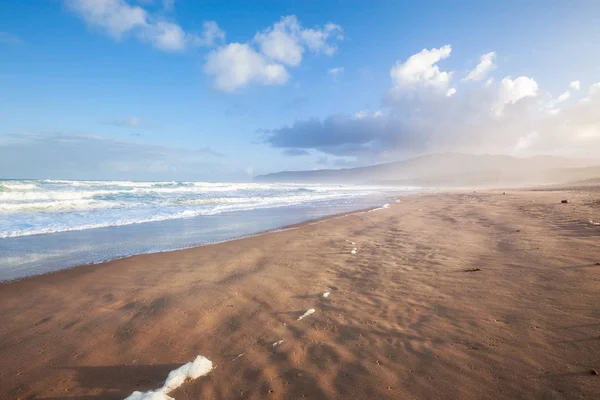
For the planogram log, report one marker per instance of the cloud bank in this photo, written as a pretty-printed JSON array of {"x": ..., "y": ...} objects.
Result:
[
  {"x": 76, "y": 156},
  {"x": 427, "y": 110}
]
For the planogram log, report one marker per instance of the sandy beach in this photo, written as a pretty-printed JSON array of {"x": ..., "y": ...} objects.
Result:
[{"x": 459, "y": 295}]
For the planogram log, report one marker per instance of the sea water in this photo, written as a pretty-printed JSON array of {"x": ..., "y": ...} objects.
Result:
[{"x": 47, "y": 225}]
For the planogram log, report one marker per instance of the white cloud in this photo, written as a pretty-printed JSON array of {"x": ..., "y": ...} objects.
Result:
[
  {"x": 264, "y": 59},
  {"x": 168, "y": 5},
  {"x": 367, "y": 114},
  {"x": 316, "y": 39},
  {"x": 511, "y": 91},
  {"x": 118, "y": 18},
  {"x": 451, "y": 92},
  {"x": 420, "y": 70},
  {"x": 237, "y": 65},
  {"x": 563, "y": 97},
  {"x": 335, "y": 72},
  {"x": 488, "y": 116},
  {"x": 486, "y": 64},
  {"x": 575, "y": 85},
  {"x": 165, "y": 36},
  {"x": 211, "y": 34},
  {"x": 281, "y": 42},
  {"x": 286, "y": 41}
]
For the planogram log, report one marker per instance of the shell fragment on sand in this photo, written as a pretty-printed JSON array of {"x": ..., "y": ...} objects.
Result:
[
  {"x": 277, "y": 343},
  {"x": 326, "y": 294},
  {"x": 354, "y": 250},
  {"x": 192, "y": 370},
  {"x": 307, "y": 313}
]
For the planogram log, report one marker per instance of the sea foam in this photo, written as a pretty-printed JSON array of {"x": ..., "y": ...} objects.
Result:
[{"x": 192, "y": 370}]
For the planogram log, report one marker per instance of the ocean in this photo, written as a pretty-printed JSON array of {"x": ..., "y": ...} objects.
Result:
[{"x": 47, "y": 225}]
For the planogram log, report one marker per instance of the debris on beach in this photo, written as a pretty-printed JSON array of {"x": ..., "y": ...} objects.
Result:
[
  {"x": 472, "y": 269},
  {"x": 238, "y": 356},
  {"x": 353, "y": 251},
  {"x": 277, "y": 343},
  {"x": 564, "y": 201},
  {"x": 593, "y": 372},
  {"x": 594, "y": 223},
  {"x": 327, "y": 293},
  {"x": 307, "y": 313},
  {"x": 192, "y": 370}
]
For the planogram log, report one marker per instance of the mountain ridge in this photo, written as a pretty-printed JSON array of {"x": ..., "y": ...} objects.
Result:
[{"x": 451, "y": 169}]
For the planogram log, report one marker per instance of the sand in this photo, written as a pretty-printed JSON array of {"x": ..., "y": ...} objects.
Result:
[{"x": 472, "y": 295}]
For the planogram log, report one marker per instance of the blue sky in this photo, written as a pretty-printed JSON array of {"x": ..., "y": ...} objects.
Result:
[{"x": 223, "y": 90}]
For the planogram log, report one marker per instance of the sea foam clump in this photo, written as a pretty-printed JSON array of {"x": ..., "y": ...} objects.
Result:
[
  {"x": 192, "y": 370},
  {"x": 307, "y": 313}
]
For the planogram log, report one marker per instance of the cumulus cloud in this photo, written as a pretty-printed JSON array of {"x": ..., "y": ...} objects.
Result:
[
  {"x": 511, "y": 91},
  {"x": 118, "y": 18},
  {"x": 505, "y": 116},
  {"x": 238, "y": 64},
  {"x": 78, "y": 156},
  {"x": 335, "y": 72},
  {"x": 486, "y": 64},
  {"x": 421, "y": 70},
  {"x": 265, "y": 59}
]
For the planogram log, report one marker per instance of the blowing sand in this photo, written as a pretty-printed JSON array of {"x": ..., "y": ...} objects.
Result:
[{"x": 445, "y": 296}]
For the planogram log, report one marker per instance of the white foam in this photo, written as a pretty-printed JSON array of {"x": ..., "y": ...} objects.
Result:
[
  {"x": 307, "y": 313},
  {"x": 51, "y": 206},
  {"x": 192, "y": 370},
  {"x": 383, "y": 207},
  {"x": 277, "y": 343}
]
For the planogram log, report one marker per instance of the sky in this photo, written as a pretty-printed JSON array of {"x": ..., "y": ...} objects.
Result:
[{"x": 225, "y": 90}]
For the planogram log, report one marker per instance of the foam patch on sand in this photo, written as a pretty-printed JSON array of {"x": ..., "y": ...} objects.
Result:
[
  {"x": 192, "y": 370},
  {"x": 307, "y": 313},
  {"x": 326, "y": 294},
  {"x": 383, "y": 207},
  {"x": 277, "y": 343}
]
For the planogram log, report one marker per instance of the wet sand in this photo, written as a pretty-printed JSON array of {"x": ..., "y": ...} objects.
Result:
[{"x": 473, "y": 295}]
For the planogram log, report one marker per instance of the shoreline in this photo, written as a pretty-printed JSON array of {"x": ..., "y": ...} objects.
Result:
[
  {"x": 261, "y": 233},
  {"x": 445, "y": 295}
]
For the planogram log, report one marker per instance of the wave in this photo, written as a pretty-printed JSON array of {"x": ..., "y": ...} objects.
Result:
[
  {"x": 49, "y": 206},
  {"x": 157, "y": 215}
]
